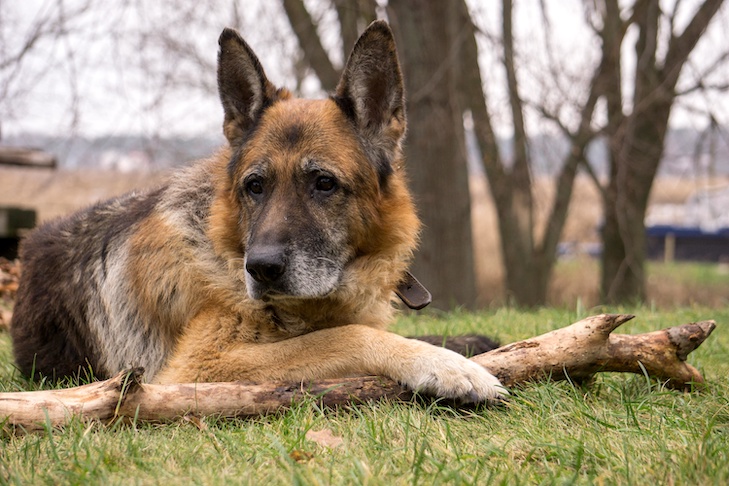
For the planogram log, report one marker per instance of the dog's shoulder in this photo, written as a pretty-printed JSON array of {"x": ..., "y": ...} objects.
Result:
[{"x": 191, "y": 190}]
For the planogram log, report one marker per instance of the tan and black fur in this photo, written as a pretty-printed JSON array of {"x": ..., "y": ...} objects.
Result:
[{"x": 275, "y": 259}]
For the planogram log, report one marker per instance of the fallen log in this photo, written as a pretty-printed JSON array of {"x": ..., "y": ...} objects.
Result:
[
  {"x": 27, "y": 157},
  {"x": 586, "y": 347},
  {"x": 575, "y": 352}
]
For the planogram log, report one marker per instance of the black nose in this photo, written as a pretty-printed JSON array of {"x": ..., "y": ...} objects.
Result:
[{"x": 266, "y": 265}]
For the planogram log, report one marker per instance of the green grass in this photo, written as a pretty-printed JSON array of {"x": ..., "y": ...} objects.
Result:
[{"x": 620, "y": 430}]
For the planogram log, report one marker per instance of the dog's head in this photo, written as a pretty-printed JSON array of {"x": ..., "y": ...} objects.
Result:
[{"x": 310, "y": 178}]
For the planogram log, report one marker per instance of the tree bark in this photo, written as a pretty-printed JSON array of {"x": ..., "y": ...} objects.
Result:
[
  {"x": 428, "y": 39},
  {"x": 575, "y": 352}
]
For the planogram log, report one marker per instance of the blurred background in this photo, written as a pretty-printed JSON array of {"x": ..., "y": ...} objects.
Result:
[{"x": 570, "y": 153}]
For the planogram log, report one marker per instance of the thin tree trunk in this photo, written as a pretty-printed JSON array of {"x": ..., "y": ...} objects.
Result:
[
  {"x": 429, "y": 42},
  {"x": 513, "y": 219},
  {"x": 637, "y": 143},
  {"x": 526, "y": 275},
  {"x": 354, "y": 16},
  {"x": 613, "y": 254}
]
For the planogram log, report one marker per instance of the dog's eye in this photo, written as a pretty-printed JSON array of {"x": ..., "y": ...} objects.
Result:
[
  {"x": 254, "y": 187},
  {"x": 325, "y": 184}
]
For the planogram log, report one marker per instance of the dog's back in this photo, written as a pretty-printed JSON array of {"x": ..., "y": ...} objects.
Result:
[
  {"x": 79, "y": 307},
  {"x": 68, "y": 265}
]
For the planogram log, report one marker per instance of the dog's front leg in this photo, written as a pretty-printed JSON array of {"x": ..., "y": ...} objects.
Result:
[{"x": 333, "y": 353}]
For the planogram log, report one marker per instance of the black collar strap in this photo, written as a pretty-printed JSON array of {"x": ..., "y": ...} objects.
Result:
[{"x": 412, "y": 292}]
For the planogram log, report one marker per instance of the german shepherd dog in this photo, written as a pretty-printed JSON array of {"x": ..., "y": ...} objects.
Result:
[{"x": 275, "y": 259}]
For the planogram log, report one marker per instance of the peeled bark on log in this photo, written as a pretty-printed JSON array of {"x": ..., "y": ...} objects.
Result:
[{"x": 576, "y": 352}]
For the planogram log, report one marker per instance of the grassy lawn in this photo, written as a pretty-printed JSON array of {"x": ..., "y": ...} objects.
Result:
[
  {"x": 620, "y": 430},
  {"x": 668, "y": 285}
]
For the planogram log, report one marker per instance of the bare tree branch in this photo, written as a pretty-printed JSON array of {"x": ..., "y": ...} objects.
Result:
[
  {"x": 594, "y": 178},
  {"x": 348, "y": 13},
  {"x": 566, "y": 178},
  {"x": 680, "y": 47},
  {"x": 354, "y": 16},
  {"x": 305, "y": 29},
  {"x": 700, "y": 77}
]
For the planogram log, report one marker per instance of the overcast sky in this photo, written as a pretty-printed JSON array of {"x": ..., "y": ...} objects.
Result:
[{"x": 110, "y": 76}]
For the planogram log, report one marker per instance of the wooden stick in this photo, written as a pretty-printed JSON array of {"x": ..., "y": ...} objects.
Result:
[
  {"x": 586, "y": 347},
  {"x": 125, "y": 396},
  {"x": 577, "y": 351}
]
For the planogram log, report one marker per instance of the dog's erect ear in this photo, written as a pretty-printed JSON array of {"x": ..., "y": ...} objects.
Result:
[
  {"x": 244, "y": 89},
  {"x": 371, "y": 93}
]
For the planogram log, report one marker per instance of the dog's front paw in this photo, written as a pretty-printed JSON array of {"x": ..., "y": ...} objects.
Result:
[{"x": 444, "y": 373}]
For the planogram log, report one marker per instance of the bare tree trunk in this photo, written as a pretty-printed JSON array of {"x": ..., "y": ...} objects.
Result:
[
  {"x": 613, "y": 254},
  {"x": 354, "y": 16},
  {"x": 575, "y": 352},
  {"x": 526, "y": 276},
  {"x": 637, "y": 143},
  {"x": 428, "y": 37},
  {"x": 511, "y": 189}
]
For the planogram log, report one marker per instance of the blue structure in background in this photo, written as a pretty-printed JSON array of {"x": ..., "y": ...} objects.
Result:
[{"x": 666, "y": 242}]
